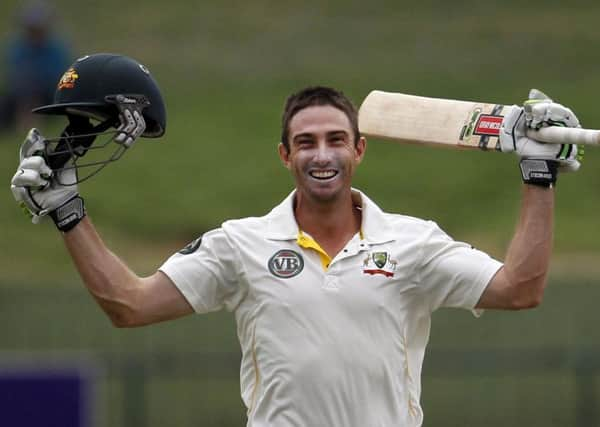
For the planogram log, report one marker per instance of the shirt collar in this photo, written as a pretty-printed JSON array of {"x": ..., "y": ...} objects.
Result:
[{"x": 282, "y": 225}]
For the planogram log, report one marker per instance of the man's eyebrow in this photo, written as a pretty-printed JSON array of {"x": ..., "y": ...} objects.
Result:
[
  {"x": 329, "y": 134},
  {"x": 303, "y": 135},
  {"x": 337, "y": 132}
]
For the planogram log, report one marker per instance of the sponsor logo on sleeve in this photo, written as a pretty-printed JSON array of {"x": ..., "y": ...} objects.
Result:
[
  {"x": 191, "y": 247},
  {"x": 286, "y": 263}
]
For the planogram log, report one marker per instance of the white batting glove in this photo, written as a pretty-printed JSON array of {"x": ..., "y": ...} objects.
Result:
[
  {"x": 37, "y": 189},
  {"x": 540, "y": 162}
]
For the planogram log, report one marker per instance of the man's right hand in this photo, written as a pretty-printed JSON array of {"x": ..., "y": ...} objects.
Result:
[{"x": 42, "y": 192}]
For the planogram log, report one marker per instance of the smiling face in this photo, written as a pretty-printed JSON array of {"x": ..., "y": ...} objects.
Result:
[{"x": 322, "y": 153}]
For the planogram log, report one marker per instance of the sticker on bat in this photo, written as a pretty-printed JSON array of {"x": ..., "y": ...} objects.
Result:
[
  {"x": 467, "y": 129},
  {"x": 488, "y": 124}
]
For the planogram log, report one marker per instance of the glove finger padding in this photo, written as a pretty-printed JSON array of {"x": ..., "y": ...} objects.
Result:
[
  {"x": 536, "y": 94},
  {"x": 37, "y": 188},
  {"x": 32, "y": 172},
  {"x": 33, "y": 144},
  {"x": 540, "y": 114},
  {"x": 38, "y": 195},
  {"x": 567, "y": 155},
  {"x": 570, "y": 157},
  {"x": 24, "y": 198}
]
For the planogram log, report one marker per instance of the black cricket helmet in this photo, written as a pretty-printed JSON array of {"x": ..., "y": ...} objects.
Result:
[{"x": 90, "y": 91}]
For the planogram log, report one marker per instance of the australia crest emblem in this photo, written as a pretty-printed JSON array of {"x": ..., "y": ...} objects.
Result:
[{"x": 379, "y": 263}]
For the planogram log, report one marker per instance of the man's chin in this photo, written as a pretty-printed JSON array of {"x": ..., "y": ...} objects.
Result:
[{"x": 325, "y": 195}]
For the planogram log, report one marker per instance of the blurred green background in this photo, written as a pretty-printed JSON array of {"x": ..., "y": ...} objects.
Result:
[{"x": 225, "y": 69}]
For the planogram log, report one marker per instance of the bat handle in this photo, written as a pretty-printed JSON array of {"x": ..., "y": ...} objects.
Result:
[{"x": 562, "y": 135}]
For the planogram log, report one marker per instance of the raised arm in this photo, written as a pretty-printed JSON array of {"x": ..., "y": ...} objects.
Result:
[
  {"x": 127, "y": 299},
  {"x": 520, "y": 283}
]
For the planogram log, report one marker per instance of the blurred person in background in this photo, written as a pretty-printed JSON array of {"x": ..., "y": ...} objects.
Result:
[{"x": 34, "y": 60}]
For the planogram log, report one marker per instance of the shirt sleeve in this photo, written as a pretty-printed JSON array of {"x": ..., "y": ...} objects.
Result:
[
  {"x": 452, "y": 273},
  {"x": 207, "y": 272}
]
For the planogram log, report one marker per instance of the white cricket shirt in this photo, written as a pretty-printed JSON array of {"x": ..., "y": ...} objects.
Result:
[{"x": 341, "y": 345}]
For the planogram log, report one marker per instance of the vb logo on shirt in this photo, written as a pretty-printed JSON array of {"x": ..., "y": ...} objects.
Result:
[{"x": 286, "y": 263}]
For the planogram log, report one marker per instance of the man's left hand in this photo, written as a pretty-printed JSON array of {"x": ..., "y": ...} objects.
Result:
[{"x": 540, "y": 162}]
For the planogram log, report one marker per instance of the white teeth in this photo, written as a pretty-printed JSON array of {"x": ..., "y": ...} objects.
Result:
[{"x": 323, "y": 174}]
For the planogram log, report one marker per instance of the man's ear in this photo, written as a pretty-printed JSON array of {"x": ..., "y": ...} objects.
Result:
[
  {"x": 284, "y": 155},
  {"x": 361, "y": 147}
]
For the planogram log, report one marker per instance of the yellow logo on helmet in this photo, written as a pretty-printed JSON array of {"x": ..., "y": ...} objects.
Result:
[{"x": 67, "y": 81}]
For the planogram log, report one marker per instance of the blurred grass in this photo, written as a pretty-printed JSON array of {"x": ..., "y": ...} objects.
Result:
[{"x": 225, "y": 72}]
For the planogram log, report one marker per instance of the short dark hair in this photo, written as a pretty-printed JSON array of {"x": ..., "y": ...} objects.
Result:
[{"x": 317, "y": 95}]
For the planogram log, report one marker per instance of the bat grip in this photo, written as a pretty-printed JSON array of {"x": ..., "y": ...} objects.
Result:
[{"x": 563, "y": 135}]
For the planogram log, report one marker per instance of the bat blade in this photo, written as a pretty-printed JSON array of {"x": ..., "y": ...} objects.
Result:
[{"x": 445, "y": 122}]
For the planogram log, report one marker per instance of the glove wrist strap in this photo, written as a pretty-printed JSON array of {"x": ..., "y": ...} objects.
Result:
[
  {"x": 68, "y": 214},
  {"x": 540, "y": 172}
]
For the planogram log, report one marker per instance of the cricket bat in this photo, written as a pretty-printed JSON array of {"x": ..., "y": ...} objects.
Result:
[{"x": 445, "y": 122}]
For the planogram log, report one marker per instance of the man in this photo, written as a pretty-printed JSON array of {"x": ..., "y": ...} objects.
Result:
[{"x": 332, "y": 296}]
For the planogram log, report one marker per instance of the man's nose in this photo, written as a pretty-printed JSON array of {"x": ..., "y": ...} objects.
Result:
[{"x": 323, "y": 153}]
